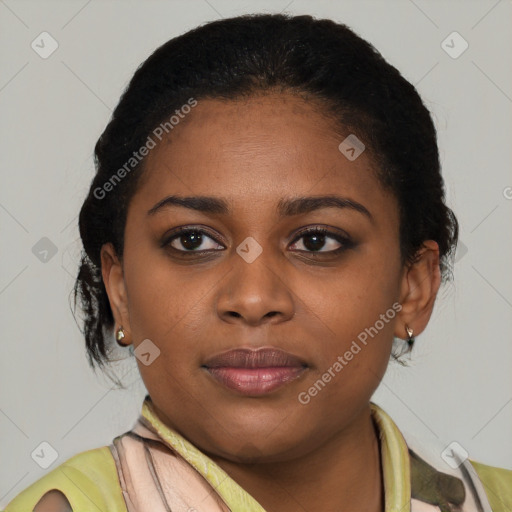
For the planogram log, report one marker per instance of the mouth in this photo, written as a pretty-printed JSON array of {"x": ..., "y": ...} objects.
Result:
[{"x": 255, "y": 372}]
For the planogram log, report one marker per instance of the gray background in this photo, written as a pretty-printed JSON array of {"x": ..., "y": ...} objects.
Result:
[{"x": 459, "y": 384}]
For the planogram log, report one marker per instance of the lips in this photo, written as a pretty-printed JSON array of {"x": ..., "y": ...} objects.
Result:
[{"x": 255, "y": 372}]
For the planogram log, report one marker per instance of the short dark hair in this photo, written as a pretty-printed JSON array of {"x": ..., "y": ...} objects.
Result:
[{"x": 241, "y": 56}]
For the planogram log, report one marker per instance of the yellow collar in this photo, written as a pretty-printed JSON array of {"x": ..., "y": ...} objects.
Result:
[{"x": 394, "y": 456}]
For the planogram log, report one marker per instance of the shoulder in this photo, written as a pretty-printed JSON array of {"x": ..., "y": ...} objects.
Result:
[
  {"x": 89, "y": 481},
  {"x": 497, "y": 483}
]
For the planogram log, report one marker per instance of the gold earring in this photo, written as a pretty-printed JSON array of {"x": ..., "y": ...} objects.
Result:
[
  {"x": 410, "y": 337},
  {"x": 120, "y": 335}
]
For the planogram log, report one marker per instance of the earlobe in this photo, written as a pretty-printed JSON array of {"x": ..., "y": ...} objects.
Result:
[
  {"x": 113, "y": 278},
  {"x": 419, "y": 287}
]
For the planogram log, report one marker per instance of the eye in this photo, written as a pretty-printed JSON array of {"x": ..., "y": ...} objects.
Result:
[
  {"x": 316, "y": 240},
  {"x": 320, "y": 240},
  {"x": 191, "y": 240}
]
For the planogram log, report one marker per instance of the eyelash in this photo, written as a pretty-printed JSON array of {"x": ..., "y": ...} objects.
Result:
[{"x": 346, "y": 242}]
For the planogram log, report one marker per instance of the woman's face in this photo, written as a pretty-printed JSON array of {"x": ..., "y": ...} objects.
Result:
[{"x": 253, "y": 279}]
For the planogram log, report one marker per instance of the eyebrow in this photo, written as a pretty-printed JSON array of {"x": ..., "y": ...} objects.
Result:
[{"x": 285, "y": 207}]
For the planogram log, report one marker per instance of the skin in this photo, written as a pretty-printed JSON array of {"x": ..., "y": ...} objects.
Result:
[
  {"x": 254, "y": 153},
  {"x": 53, "y": 501}
]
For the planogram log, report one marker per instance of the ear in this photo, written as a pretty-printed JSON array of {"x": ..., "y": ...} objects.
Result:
[
  {"x": 113, "y": 278},
  {"x": 420, "y": 284}
]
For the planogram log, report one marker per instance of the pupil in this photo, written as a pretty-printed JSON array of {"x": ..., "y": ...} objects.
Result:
[
  {"x": 191, "y": 240},
  {"x": 317, "y": 244}
]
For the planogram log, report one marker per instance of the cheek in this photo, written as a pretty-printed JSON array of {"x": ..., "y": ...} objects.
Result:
[
  {"x": 167, "y": 306},
  {"x": 159, "y": 294},
  {"x": 352, "y": 357},
  {"x": 355, "y": 296},
  {"x": 354, "y": 313}
]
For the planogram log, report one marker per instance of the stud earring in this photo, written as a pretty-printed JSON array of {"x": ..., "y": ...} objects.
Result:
[
  {"x": 120, "y": 335},
  {"x": 410, "y": 337}
]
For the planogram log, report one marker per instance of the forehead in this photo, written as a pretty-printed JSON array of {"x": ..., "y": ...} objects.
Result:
[{"x": 259, "y": 149}]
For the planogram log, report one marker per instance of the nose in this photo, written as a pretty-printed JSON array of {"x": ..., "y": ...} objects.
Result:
[{"x": 256, "y": 293}]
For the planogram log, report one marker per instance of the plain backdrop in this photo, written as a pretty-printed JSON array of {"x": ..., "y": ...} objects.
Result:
[{"x": 458, "y": 386}]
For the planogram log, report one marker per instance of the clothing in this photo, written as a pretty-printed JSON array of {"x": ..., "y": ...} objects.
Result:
[{"x": 152, "y": 468}]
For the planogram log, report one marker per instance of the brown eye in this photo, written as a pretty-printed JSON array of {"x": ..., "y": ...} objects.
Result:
[
  {"x": 320, "y": 240},
  {"x": 191, "y": 240}
]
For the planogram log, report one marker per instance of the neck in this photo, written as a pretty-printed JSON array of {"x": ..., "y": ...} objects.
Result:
[{"x": 344, "y": 474}]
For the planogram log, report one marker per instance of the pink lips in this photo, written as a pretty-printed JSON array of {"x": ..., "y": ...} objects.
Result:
[{"x": 255, "y": 372}]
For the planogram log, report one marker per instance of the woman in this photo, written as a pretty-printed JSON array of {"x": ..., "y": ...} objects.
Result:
[{"x": 266, "y": 221}]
